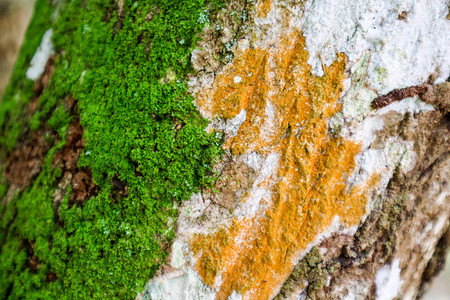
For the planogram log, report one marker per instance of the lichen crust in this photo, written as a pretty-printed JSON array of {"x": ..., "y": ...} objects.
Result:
[{"x": 287, "y": 108}]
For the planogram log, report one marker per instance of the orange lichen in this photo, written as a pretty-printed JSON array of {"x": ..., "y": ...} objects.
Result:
[
  {"x": 287, "y": 110},
  {"x": 263, "y": 8}
]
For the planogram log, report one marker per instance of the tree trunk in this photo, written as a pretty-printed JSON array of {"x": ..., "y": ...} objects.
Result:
[{"x": 227, "y": 150}]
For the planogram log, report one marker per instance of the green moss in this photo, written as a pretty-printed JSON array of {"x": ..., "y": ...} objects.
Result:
[{"x": 138, "y": 129}]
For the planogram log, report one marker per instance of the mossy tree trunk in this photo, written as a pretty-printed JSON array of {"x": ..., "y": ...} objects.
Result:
[{"x": 206, "y": 149}]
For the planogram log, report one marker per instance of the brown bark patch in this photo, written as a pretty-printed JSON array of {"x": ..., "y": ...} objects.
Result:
[
  {"x": 80, "y": 179},
  {"x": 439, "y": 96},
  {"x": 24, "y": 162},
  {"x": 216, "y": 40},
  {"x": 67, "y": 159},
  {"x": 233, "y": 183},
  {"x": 403, "y": 16},
  {"x": 51, "y": 277},
  {"x": 33, "y": 262},
  {"x": 119, "y": 189}
]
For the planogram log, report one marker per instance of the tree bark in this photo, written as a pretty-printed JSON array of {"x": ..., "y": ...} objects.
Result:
[{"x": 244, "y": 149}]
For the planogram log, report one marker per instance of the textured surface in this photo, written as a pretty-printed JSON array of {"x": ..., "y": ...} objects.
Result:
[
  {"x": 99, "y": 143},
  {"x": 323, "y": 192},
  {"x": 310, "y": 162}
]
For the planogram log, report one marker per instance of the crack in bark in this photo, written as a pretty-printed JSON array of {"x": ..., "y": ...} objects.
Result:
[{"x": 436, "y": 263}]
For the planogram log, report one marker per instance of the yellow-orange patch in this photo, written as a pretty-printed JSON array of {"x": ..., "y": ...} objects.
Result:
[
  {"x": 287, "y": 110},
  {"x": 263, "y": 8}
]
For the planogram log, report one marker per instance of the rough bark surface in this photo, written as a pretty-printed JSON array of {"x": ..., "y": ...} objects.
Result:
[
  {"x": 411, "y": 225},
  {"x": 233, "y": 237},
  {"x": 249, "y": 149}
]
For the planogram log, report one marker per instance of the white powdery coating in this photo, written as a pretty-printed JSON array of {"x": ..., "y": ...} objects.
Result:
[
  {"x": 400, "y": 153},
  {"x": 302, "y": 296},
  {"x": 388, "y": 281},
  {"x": 270, "y": 121},
  {"x": 232, "y": 126},
  {"x": 369, "y": 162},
  {"x": 181, "y": 285},
  {"x": 397, "y": 154},
  {"x": 356, "y": 289},
  {"x": 194, "y": 209},
  {"x": 235, "y": 296},
  {"x": 440, "y": 199},
  {"x": 40, "y": 58},
  {"x": 413, "y": 105},
  {"x": 259, "y": 190},
  {"x": 177, "y": 260},
  {"x": 365, "y": 131},
  {"x": 349, "y": 296},
  {"x": 237, "y": 79},
  {"x": 420, "y": 237},
  {"x": 405, "y": 53},
  {"x": 359, "y": 97},
  {"x": 253, "y": 160},
  {"x": 429, "y": 240}
]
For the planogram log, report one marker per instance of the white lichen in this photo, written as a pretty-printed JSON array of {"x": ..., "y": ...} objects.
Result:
[
  {"x": 260, "y": 192},
  {"x": 235, "y": 296},
  {"x": 232, "y": 126},
  {"x": 177, "y": 260},
  {"x": 400, "y": 154},
  {"x": 405, "y": 53},
  {"x": 41, "y": 56},
  {"x": 353, "y": 290},
  {"x": 388, "y": 281},
  {"x": 359, "y": 97},
  {"x": 237, "y": 79},
  {"x": 180, "y": 285},
  {"x": 430, "y": 237},
  {"x": 253, "y": 160}
]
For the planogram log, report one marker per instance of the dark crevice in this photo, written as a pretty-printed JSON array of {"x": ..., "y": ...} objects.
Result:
[{"x": 436, "y": 264}]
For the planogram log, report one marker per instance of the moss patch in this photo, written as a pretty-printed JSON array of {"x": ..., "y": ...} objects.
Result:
[{"x": 140, "y": 130}]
